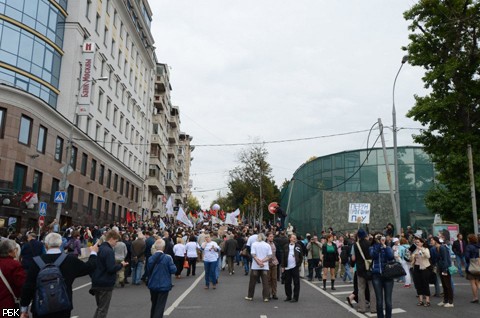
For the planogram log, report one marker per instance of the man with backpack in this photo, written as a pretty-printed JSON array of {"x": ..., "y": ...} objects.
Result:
[{"x": 53, "y": 271}]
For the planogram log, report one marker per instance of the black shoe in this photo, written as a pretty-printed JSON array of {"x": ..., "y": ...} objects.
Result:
[
  {"x": 349, "y": 301},
  {"x": 288, "y": 299},
  {"x": 294, "y": 300},
  {"x": 274, "y": 297}
]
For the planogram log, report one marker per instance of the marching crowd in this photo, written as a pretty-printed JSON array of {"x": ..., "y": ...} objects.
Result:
[{"x": 147, "y": 254}]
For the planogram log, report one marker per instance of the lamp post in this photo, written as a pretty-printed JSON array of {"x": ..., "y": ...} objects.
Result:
[
  {"x": 66, "y": 169},
  {"x": 395, "y": 150}
]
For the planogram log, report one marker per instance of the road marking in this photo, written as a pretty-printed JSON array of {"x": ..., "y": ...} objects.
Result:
[
  {"x": 79, "y": 287},
  {"x": 394, "y": 311},
  {"x": 182, "y": 296},
  {"x": 342, "y": 293},
  {"x": 263, "y": 316},
  {"x": 338, "y": 301}
]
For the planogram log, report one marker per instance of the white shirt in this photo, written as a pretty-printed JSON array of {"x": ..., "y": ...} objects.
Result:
[
  {"x": 252, "y": 239},
  {"x": 179, "y": 250},
  {"x": 210, "y": 251},
  {"x": 291, "y": 263},
  {"x": 191, "y": 248},
  {"x": 261, "y": 250}
]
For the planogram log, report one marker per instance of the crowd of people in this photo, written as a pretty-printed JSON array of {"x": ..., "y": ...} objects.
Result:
[{"x": 151, "y": 253}]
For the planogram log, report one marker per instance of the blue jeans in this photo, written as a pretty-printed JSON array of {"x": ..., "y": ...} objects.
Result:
[
  {"x": 246, "y": 264},
  {"x": 347, "y": 274},
  {"x": 210, "y": 272},
  {"x": 137, "y": 273},
  {"x": 459, "y": 260},
  {"x": 383, "y": 289}
]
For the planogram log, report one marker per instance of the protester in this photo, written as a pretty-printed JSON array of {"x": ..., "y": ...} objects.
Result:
[
  {"x": 138, "y": 258},
  {"x": 71, "y": 268},
  {"x": 12, "y": 271},
  {"x": 31, "y": 249},
  {"x": 361, "y": 257},
  {"x": 421, "y": 271},
  {"x": 191, "y": 249},
  {"x": 210, "y": 257},
  {"x": 381, "y": 254},
  {"x": 444, "y": 261},
  {"x": 261, "y": 253},
  {"x": 272, "y": 267},
  {"x": 160, "y": 268},
  {"x": 291, "y": 262},
  {"x": 105, "y": 275},
  {"x": 472, "y": 252},
  {"x": 179, "y": 252},
  {"x": 329, "y": 258}
]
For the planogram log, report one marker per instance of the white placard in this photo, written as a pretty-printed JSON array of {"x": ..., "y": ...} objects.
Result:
[
  {"x": 86, "y": 79},
  {"x": 359, "y": 210}
]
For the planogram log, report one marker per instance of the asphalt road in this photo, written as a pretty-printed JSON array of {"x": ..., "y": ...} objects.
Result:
[{"x": 188, "y": 298}]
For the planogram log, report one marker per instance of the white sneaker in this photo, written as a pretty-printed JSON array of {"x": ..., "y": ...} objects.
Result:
[
  {"x": 441, "y": 304},
  {"x": 448, "y": 306}
]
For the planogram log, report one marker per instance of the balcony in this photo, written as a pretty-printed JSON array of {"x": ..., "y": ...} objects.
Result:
[
  {"x": 170, "y": 186},
  {"x": 158, "y": 103},
  {"x": 173, "y": 136},
  {"x": 155, "y": 186},
  {"x": 171, "y": 152}
]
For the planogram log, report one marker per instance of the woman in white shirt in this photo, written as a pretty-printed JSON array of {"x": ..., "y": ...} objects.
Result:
[
  {"x": 210, "y": 258},
  {"x": 179, "y": 252},
  {"x": 191, "y": 248}
]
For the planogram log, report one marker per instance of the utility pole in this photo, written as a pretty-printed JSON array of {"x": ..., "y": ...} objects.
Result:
[{"x": 472, "y": 188}]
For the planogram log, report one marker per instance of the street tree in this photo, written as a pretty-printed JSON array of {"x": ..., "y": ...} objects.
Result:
[{"x": 444, "y": 41}]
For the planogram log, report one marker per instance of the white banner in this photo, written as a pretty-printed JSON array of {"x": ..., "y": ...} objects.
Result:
[
  {"x": 359, "y": 213},
  {"x": 182, "y": 217},
  {"x": 84, "y": 95}
]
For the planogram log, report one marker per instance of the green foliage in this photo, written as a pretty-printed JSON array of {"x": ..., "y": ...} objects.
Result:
[
  {"x": 193, "y": 204},
  {"x": 444, "y": 41}
]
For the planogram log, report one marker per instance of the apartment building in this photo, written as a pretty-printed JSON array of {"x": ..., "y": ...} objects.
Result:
[{"x": 108, "y": 148}]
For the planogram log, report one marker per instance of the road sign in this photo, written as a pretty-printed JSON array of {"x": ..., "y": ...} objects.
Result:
[
  {"x": 42, "y": 208},
  {"x": 59, "y": 197},
  {"x": 41, "y": 221}
]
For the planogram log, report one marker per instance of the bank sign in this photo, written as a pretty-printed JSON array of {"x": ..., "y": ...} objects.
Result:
[{"x": 84, "y": 95}]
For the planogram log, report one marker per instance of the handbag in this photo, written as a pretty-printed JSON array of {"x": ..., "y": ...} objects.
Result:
[
  {"x": 393, "y": 270},
  {"x": 185, "y": 263},
  {"x": 453, "y": 270},
  {"x": 15, "y": 299},
  {"x": 244, "y": 252},
  {"x": 474, "y": 267}
]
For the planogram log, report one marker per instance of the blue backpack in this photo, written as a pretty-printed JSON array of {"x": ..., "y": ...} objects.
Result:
[{"x": 51, "y": 294}]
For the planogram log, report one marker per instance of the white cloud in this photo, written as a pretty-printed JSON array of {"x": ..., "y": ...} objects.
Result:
[{"x": 282, "y": 70}]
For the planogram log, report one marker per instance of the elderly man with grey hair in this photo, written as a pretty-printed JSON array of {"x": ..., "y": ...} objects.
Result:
[
  {"x": 160, "y": 268},
  {"x": 13, "y": 273},
  {"x": 261, "y": 253},
  {"x": 71, "y": 268}
]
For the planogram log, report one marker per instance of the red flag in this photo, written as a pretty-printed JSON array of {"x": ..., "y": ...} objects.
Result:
[
  {"x": 129, "y": 217},
  {"x": 134, "y": 216}
]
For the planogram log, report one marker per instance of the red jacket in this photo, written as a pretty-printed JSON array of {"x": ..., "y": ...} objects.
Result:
[{"x": 15, "y": 275}]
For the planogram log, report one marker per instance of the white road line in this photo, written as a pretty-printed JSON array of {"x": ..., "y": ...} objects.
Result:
[
  {"x": 79, "y": 287},
  {"x": 338, "y": 301},
  {"x": 394, "y": 311},
  {"x": 341, "y": 293},
  {"x": 182, "y": 296},
  {"x": 263, "y": 316}
]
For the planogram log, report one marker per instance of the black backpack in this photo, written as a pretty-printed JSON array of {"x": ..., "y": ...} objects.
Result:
[
  {"x": 51, "y": 294},
  {"x": 344, "y": 255}
]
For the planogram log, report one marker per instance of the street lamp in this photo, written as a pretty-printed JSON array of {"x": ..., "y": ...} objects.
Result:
[
  {"x": 395, "y": 150},
  {"x": 66, "y": 169}
]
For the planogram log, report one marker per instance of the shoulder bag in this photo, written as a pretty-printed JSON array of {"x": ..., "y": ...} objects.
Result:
[
  {"x": 15, "y": 298},
  {"x": 368, "y": 263},
  {"x": 474, "y": 267},
  {"x": 393, "y": 270}
]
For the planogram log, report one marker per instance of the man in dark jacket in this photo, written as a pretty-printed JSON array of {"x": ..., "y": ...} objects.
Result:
[
  {"x": 458, "y": 248},
  {"x": 31, "y": 249},
  {"x": 149, "y": 241},
  {"x": 291, "y": 262},
  {"x": 230, "y": 252},
  {"x": 361, "y": 258},
  {"x": 105, "y": 275},
  {"x": 70, "y": 268}
]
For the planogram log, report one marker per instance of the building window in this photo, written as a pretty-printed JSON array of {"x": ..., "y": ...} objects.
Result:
[
  {"x": 115, "y": 182},
  {"x": 115, "y": 116},
  {"x": 54, "y": 188},
  {"x": 101, "y": 174},
  {"x": 37, "y": 182},
  {"x": 87, "y": 9},
  {"x": 136, "y": 195},
  {"x": 109, "y": 178},
  {"x": 114, "y": 210},
  {"x": 42, "y": 139},
  {"x": 19, "y": 177},
  {"x": 107, "y": 109},
  {"x": 100, "y": 100},
  {"x": 90, "y": 204},
  {"x": 127, "y": 188},
  {"x": 59, "y": 149},
  {"x": 69, "y": 202},
  {"x": 24, "y": 135},
  {"x": 93, "y": 169},
  {"x": 107, "y": 207},
  {"x": 83, "y": 168},
  {"x": 121, "y": 186},
  {"x": 105, "y": 35},
  {"x": 73, "y": 159},
  {"x": 97, "y": 22},
  {"x": 3, "y": 115},
  {"x": 132, "y": 191},
  {"x": 99, "y": 207}
]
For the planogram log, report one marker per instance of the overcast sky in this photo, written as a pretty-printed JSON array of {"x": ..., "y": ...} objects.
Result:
[{"x": 276, "y": 70}]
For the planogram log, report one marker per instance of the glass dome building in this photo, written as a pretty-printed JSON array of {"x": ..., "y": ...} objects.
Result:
[{"x": 320, "y": 191}]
